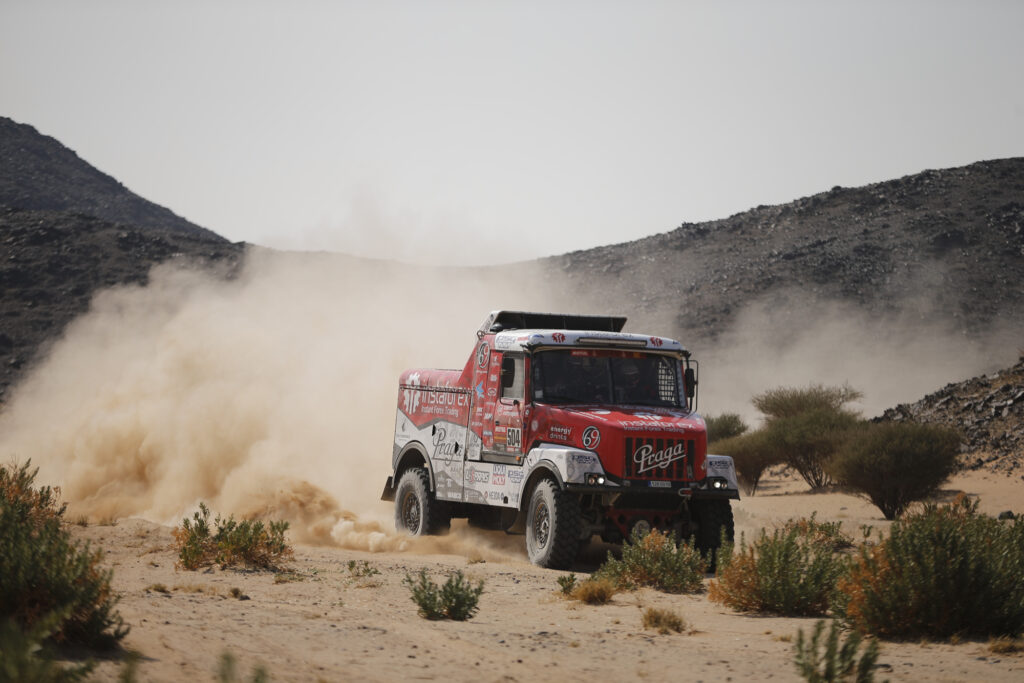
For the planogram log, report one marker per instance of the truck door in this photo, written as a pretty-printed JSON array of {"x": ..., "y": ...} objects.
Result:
[{"x": 508, "y": 409}]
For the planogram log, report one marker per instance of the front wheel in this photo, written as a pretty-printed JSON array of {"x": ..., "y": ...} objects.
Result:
[
  {"x": 416, "y": 510},
  {"x": 714, "y": 522},
  {"x": 553, "y": 526}
]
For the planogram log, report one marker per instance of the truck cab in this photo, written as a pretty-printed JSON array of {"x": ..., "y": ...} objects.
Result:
[{"x": 560, "y": 427}]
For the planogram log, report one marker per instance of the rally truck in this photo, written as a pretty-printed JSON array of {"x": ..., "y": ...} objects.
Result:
[{"x": 561, "y": 427}]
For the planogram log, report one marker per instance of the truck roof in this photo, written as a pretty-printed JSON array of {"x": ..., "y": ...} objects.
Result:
[
  {"x": 525, "y": 340},
  {"x": 498, "y": 321}
]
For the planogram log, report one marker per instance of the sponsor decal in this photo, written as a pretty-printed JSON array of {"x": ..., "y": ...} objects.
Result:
[
  {"x": 494, "y": 495},
  {"x": 560, "y": 432},
  {"x": 482, "y": 354},
  {"x": 648, "y": 416},
  {"x": 718, "y": 464},
  {"x": 492, "y": 392},
  {"x": 500, "y": 469},
  {"x": 412, "y": 396},
  {"x": 498, "y": 479},
  {"x": 647, "y": 458},
  {"x": 661, "y": 484},
  {"x": 444, "y": 449},
  {"x": 558, "y": 337},
  {"x": 480, "y": 390},
  {"x": 655, "y": 341},
  {"x": 515, "y": 476},
  {"x": 475, "y": 476},
  {"x": 493, "y": 378},
  {"x": 591, "y": 437},
  {"x": 515, "y": 437}
]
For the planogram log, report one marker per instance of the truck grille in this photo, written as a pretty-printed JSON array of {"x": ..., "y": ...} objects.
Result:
[{"x": 659, "y": 458}]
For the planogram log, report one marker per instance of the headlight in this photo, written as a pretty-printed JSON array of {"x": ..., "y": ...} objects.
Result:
[
  {"x": 595, "y": 479},
  {"x": 718, "y": 483}
]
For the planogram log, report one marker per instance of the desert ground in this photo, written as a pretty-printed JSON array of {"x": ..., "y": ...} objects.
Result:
[{"x": 327, "y": 622}]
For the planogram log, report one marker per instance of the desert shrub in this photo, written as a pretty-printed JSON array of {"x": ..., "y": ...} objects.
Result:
[
  {"x": 594, "y": 591},
  {"x": 457, "y": 599},
  {"x": 663, "y": 620},
  {"x": 942, "y": 572},
  {"x": 788, "y": 573},
  {"x": 249, "y": 542},
  {"x": 44, "y": 573},
  {"x": 827, "y": 534},
  {"x": 724, "y": 426},
  {"x": 808, "y": 441},
  {"x": 896, "y": 463},
  {"x": 752, "y": 453},
  {"x": 567, "y": 583},
  {"x": 25, "y": 654},
  {"x": 656, "y": 560},
  {"x": 361, "y": 569},
  {"x": 783, "y": 402},
  {"x": 836, "y": 662},
  {"x": 807, "y": 427}
]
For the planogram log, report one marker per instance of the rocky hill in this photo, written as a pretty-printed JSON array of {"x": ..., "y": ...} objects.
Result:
[
  {"x": 39, "y": 173},
  {"x": 988, "y": 411},
  {"x": 66, "y": 230},
  {"x": 942, "y": 245}
]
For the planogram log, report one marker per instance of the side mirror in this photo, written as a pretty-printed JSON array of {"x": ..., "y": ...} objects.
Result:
[{"x": 690, "y": 378}]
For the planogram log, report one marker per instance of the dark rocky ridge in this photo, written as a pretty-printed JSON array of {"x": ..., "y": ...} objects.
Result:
[
  {"x": 39, "y": 173},
  {"x": 53, "y": 261},
  {"x": 988, "y": 411},
  {"x": 939, "y": 245}
]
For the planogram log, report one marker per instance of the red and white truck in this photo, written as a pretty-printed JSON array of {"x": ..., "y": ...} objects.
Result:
[{"x": 562, "y": 427}]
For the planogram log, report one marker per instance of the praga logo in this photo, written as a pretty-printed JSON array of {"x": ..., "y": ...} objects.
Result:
[
  {"x": 655, "y": 341},
  {"x": 558, "y": 337},
  {"x": 482, "y": 354},
  {"x": 647, "y": 458},
  {"x": 591, "y": 437}
]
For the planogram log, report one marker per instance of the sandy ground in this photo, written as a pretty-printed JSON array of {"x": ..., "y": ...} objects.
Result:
[{"x": 329, "y": 624}]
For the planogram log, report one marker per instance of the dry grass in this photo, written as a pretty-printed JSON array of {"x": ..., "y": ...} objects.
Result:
[
  {"x": 663, "y": 620},
  {"x": 594, "y": 591}
]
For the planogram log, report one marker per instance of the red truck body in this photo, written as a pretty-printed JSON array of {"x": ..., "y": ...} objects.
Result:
[{"x": 561, "y": 427}]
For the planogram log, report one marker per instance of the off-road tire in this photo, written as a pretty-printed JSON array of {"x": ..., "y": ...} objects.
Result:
[
  {"x": 712, "y": 517},
  {"x": 417, "y": 512},
  {"x": 553, "y": 526}
]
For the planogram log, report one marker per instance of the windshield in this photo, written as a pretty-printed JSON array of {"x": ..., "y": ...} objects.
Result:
[{"x": 609, "y": 377}]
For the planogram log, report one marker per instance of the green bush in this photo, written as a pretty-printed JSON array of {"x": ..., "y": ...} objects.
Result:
[
  {"x": 25, "y": 655},
  {"x": 656, "y": 560},
  {"x": 896, "y": 463},
  {"x": 942, "y": 571},
  {"x": 808, "y": 441},
  {"x": 457, "y": 599},
  {"x": 807, "y": 426},
  {"x": 249, "y": 542},
  {"x": 567, "y": 583},
  {"x": 789, "y": 573},
  {"x": 753, "y": 454},
  {"x": 783, "y": 402},
  {"x": 724, "y": 426},
  {"x": 836, "y": 663},
  {"x": 43, "y": 573}
]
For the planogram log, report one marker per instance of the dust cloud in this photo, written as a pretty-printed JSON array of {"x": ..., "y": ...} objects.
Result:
[
  {"x": 792, "y": 339},
  {"x": 271, "y": 394}
]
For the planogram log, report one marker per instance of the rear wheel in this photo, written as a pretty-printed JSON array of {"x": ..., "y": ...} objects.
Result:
[
  {"x": 553, "y": 526},
  {"x": 714, "y": 521},
  {"x": 416, "y": 510}
]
